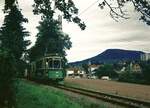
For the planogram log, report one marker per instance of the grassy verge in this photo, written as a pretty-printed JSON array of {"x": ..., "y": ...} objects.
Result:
[
  {"x": 38, "y": 96},
  {"x": 35, "y": 96}
]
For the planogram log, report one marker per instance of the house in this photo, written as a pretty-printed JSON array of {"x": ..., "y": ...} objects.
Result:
[
  {"x": 91, "y": 70},
  {"x": 132, "y": 67},
  {"x": 145, "y": 57},
  {"x": 93, "y": 67},
  {"x": 75, "y": 72},
  {"x": 136, "y": 68},
  {"x": 70, "y": 72}
]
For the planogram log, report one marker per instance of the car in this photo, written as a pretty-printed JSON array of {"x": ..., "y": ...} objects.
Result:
[{"x": 105, "y": 78}]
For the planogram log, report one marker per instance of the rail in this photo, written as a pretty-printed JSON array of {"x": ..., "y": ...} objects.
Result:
[{"x": 115, "y": 99}]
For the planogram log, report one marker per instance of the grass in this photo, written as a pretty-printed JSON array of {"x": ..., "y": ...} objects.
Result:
[
  {"x": 34, "y": 96},
  {"x": 38, "y": 96},
  {"x": 85, "y": 103}
]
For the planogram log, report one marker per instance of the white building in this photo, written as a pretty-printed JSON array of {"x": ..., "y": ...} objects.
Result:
[
  {"x": 93, "y": 67},
  {"x": 91, "y": 70},
  {"x": 70, "y": 72},
  {"x": 145, "y": 57},
  {"x": 75, "y": 72}
]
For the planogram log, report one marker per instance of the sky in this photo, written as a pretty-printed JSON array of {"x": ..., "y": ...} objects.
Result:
[{"x": 101, "y": 33}]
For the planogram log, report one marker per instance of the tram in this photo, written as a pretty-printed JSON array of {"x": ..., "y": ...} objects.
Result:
[{"x": 48, "y": 68}]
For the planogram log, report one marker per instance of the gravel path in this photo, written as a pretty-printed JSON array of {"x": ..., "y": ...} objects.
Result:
[{"x": 125, "y": 89}]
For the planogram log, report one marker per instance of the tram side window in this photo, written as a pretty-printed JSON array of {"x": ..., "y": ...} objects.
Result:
[
  {"x": 50, "y": 63},
  {"x": 39, "y": 64},
  {"x": 57, "y": 64}
]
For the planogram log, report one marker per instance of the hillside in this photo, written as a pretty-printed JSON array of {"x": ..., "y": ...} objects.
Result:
[{"x": 111, "y": 56}]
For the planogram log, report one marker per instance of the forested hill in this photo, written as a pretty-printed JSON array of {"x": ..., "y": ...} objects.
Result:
[{"x": 111, "y": 56}]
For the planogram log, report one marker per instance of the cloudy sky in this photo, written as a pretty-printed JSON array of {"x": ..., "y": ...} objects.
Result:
[{"x": 102, "y": 31}]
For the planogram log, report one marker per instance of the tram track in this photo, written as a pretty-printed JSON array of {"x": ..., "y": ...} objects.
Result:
[{"x": 115, "y": 99}]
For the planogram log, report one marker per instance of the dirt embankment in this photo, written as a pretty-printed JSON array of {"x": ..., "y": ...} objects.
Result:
[{"x": 125, "y": 89}]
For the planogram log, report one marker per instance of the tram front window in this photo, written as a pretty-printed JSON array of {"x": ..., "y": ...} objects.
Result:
[{"x": 57, "y": 64}]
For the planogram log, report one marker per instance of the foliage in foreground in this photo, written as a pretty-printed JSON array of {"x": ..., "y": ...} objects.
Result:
[
  {"x": 34, "y": 96},
  {"x": 7, "y": 75},
  {"x": 12, "y": 46}
]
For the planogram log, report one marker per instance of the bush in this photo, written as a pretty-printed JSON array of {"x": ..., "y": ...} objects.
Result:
[
  {"x": 106, "y": 70},
  {"x": 127, "y": 76}
]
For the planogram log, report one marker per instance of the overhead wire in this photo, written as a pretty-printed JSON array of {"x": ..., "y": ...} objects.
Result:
[{"x": 86, "y": 9}]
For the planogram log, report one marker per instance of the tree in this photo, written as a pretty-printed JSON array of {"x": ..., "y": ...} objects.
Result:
[
  {"x": 86, "y": 68},
  {"x": 146, "y": 71},
  {"x": 9, "y": 4},
  {"x": 13, "y": 45},
  {"x": 106, "y": 70},
  {"x": 13, "y": 33},
  {"x": 7, "y": 77},
  {"x": 47, "y": 8},
  {"x": 117, "y": 8},
  {"x": 50, "y": 38}
]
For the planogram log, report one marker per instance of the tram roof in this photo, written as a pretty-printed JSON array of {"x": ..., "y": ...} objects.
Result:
[{"x": 54, "y": 56}]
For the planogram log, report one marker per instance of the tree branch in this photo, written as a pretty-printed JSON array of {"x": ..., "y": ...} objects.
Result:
[{"x": 115, "y": 15}]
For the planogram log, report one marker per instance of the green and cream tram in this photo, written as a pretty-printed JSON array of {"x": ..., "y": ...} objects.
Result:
[{"x": 49, "y": 67}]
